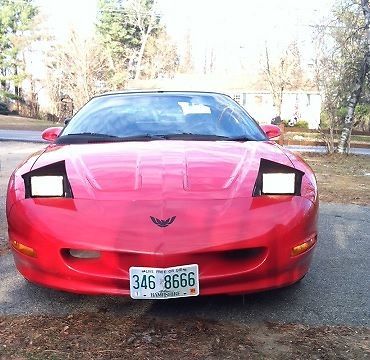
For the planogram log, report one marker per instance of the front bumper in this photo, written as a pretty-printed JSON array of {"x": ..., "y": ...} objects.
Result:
[{"x": 241, "y": 248}]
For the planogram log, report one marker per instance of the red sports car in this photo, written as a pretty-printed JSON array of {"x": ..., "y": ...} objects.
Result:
[{"x": 162, "y": 195}]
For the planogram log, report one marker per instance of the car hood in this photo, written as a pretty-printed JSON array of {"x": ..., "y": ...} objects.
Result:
[{"x": 162, "y": 169}]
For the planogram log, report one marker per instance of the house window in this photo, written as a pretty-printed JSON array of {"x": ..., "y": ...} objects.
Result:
[{"x": 236, "y": 97}]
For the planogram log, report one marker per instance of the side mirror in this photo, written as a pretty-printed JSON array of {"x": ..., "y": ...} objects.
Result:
[
  {"x": 272, "y": 131},
  {"x": 50, "y": 134},
  {"x": 67, "y": 120}
]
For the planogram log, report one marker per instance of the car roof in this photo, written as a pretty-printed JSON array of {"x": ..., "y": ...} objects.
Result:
[{"x": 130, "y": 92}]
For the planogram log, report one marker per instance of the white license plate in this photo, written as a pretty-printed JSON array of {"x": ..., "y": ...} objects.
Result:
[{"x": 164, "y": 283}]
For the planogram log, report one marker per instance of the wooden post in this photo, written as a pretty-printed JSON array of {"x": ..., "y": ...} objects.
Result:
[{"x": 281, "y": 137}]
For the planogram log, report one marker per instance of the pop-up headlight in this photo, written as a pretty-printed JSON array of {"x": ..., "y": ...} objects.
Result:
[
  {"x": 47, "y": 186},
  {"x": 277, "y": 179},
  {"x": 278, "y": 183},
  {"x": 48, "y": 181}
]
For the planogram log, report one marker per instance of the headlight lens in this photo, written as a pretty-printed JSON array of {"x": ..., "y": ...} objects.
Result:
[
  {"x": 47, "y": 186},
  {"x": 278, "y": 183},
  {"x": 277, "y": 179},
  {"x": 48, "y": 181}
]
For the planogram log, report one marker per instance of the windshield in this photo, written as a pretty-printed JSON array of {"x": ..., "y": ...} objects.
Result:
[{"x": 150, "y": 116}]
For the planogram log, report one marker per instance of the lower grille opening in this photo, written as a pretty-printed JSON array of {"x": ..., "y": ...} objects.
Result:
[{"x": 242, "y": 254}]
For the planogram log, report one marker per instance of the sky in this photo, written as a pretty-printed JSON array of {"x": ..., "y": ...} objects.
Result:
[{"x": 237, "y": 31}]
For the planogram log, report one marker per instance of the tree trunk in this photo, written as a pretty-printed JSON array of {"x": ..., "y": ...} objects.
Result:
[
  {"x": 3, "y": 85},
  {"x": 343, "y": 145},
  {"x": 366, "y": 10},
  {"x": 329, "y": 138},
  {"x": 141, "y": 54},
  {"x": 276, "y": 99},
  {"x": 352, "y": 103},
  {"x": 280, "y": 100}
]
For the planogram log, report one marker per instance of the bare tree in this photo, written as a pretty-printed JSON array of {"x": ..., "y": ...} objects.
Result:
[
  {"x": 360, "y": 80},
  {"x": 160, "y": 58},
  {"x": 283, "y": 74},
  {"x": 144, "y": 15},
  {"x": 328, "y": 70},
  {"x": 186, "y": 62},
  {"x": 341, "y": 69},
  {"x": 78, "y": 68},
  {"x": 209, "y": 60}
]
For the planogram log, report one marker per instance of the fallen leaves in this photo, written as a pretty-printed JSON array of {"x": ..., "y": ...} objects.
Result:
[{"x": 111, "y": 336}]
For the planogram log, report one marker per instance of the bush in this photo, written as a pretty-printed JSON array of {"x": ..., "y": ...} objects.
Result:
[
  {"x": 4, "y": 110},
  {"x": 324, "y": 120},
  {"x": 302, "y": 124},
  {"x": 341, "y": 113},
  {"x": 361, "y": 119},
  {"x": 48, "y": 116}
]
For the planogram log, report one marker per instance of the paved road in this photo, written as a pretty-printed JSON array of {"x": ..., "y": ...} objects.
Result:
[
  {"x": 336, "y": 291},
  {"x": 35, "y": 136},
  {"x": 322, "y": 149},
  {"x": 21, "y": 135}
]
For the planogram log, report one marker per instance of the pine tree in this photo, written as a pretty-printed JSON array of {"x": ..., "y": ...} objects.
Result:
[
  {"x": 16, "y": 21},
  {"x": 125, "y": 28}
]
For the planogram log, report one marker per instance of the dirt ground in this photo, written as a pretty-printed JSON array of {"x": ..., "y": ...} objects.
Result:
[
  {"x": 105, "y": 336},
  {"x": 341, "y": 179}
]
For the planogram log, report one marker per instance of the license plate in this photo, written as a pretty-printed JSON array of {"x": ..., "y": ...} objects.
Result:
[{"x": 164, "y": 283}]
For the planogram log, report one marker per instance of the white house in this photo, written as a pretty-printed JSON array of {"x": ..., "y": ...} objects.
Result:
[{"x": 296, "y": 105}]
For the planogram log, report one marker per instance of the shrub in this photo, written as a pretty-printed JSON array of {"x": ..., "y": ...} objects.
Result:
[
  {"x": 301, "y": 124},
  {"x": 48, "y": 116},
  {"x": 362, "y": 117},
  {"x": 4, "y": 110}
]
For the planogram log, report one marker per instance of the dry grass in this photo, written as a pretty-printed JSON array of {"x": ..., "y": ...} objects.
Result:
[
  {"x": 342, "y": 179},
  {"x": 10, "y": 122}
]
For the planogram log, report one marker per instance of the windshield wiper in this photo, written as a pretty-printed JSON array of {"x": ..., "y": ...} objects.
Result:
[
  {"x": 85, "y": 138},
  {"x": 238, "y": 138},
  {"x": 92, "y": 134},
  {"x": 144, "y": 137},
  {"x": 191, "y": 136},
  {"x": 90, "y": 137}
]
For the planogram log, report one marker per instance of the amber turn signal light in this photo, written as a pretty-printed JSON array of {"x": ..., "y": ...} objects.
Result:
[
  {"x": 297, "y": 250},
  {"x": 26, "y": 250}
]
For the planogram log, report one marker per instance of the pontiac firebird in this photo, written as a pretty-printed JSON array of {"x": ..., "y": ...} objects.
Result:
[{"x": 160, "y": 195}]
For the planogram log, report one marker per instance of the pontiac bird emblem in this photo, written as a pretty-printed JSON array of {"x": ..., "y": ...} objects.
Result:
[{"x": 163, "y": 223}]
